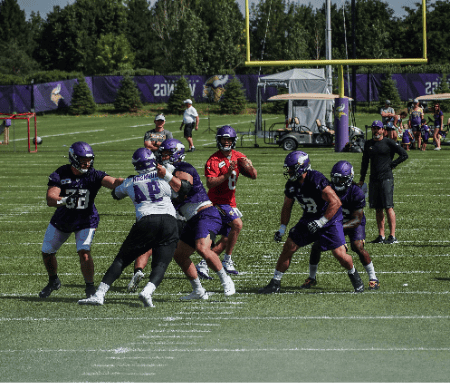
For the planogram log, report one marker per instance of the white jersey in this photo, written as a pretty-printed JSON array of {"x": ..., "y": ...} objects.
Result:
[{"x": 149, "y": 193}]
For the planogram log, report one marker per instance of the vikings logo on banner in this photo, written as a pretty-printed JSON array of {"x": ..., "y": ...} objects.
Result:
[
  {"x": 55, "y": 95},
  {"x": 214, "y": 87}
]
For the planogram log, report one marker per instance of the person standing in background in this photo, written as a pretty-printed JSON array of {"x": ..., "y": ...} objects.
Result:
[{"x": 190, "y": 122}]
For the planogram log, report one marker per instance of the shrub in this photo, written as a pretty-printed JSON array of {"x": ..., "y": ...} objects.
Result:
[
  {"x": 233, "y": 101},
  {"x": 181, "y": 92},
  {"x": 82, "y": 99},
  {"x": 128, "y": 97}
]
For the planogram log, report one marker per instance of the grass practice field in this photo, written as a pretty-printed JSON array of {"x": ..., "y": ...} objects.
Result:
[{"x": 327, "y": 333}]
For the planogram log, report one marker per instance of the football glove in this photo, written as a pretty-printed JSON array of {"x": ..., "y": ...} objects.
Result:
[
  {"x": 278, "y": 236},
  {"x": 317, "y": 224}
]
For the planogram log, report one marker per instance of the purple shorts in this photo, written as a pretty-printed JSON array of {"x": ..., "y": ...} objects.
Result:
[
  {"x": 331, "y": 237},
  {"x": 207, "y": 222},
  {"x": 228, "y": 214},
  {"x": 359, "y": 233}
]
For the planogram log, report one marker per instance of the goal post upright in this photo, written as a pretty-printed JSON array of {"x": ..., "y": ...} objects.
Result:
[{"x": 339, "y": 63}]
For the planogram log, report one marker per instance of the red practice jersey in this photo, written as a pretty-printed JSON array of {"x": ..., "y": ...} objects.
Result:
[{"x": 217, "y": 165}]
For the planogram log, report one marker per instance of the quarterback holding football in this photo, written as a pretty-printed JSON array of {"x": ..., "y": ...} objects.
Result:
[{"x": 222, "y": 172}]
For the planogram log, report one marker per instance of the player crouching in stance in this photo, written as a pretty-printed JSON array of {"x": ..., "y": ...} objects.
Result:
[
  {"x": 72, "y": 190},
  {"x": 222, "y": 171},
  {"x": 155, "y": 227},
  {"x": 321, "y": 220},
  {"x": 353, "y": 202},
  {"x": 203, "y": 222}
]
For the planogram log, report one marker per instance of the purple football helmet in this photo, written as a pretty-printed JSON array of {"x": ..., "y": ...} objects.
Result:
[
  {"x": 228, "y": 132},
  {"x": 79, "y": 150},
  {"x": 342, "y": 175},
  {"x": 295, "y": 164},
  {"x": 176, "y": 149},
  {"x": 143, "y": 160}
]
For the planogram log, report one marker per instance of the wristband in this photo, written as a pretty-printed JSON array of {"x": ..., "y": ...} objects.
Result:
[
  {"x": 282, "y": 229},
  {"x": 322, "y": 221},
  {"x": 62, "y": 201},
  {"x": 168, "y": 177}
]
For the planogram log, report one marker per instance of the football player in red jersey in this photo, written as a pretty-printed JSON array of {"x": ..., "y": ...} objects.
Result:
[{"x": 222, "y": 171}]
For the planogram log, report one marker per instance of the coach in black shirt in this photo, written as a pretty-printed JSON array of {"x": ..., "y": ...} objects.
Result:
[{"x": 380, "y": 151}]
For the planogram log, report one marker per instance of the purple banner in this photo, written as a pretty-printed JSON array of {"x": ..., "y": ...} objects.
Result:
[
  {"x": 53, "y": 95},
  {"x": 157, "y": 89},
  {"x": 410, "y": 86}
]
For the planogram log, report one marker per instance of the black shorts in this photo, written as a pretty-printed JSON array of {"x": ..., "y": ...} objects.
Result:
[
  {"x": 188, "y": 128},
  {"x": 415, "y": 128},
  {"x": 154, "y": 231},
  {"x": 381, "y": 194}
]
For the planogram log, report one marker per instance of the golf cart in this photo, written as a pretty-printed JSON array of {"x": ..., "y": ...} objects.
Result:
[{"x": 290, "y": 136}]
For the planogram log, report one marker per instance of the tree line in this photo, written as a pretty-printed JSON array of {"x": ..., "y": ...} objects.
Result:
[{"x": 97, "y": 37}]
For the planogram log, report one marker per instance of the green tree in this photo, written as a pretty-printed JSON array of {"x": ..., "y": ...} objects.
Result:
[
  {"x": 224, "y": 25},
  {"x": 69, "y": 37},
  {"x": 389, "y": 91},
  {"x": 165, "y": 24},
  {"x": 13, "y": 23},
  {"x": 233, "y": 101},
  {"x": 82, "y": 100},
  {"x": 181, "y": 92},
  {"x": 17, "y": 61},
  {"x": 112, "y": 53},
  {"x": 139, "y": 32},
  {"x": 443, "y": 87},
  {"x": 437, "y": 37},
  {"x": 276, "y": 34},
  {"x": 128, "y": 96}
]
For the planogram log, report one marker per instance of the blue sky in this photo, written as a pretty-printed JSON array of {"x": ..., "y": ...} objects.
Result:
[{"x": 46, "y": 6}]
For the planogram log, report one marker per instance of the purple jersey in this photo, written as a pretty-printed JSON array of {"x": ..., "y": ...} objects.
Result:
[
  {"x": 83, "y": 214},
  {"x": 352, "y": 199},
  {"x": 437, "y": 119},
  {"x": 309, "y": 196},
  {"x": 198, "y": 193}
]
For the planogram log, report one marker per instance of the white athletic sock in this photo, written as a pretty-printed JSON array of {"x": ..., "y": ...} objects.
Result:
[
  {"x": 313, "y": 271},
  {"x": 102, "y": 289},
  {"x": 226, "y": 258},
  {"x": 196, "y": 284},
  {"x": 370, "y": 271},
  {"x": 277, "y": 275},
  {"x": 222, "y": 275},
  {"x": 352, "y": 271},
  {"x": 149, "y": 288}
]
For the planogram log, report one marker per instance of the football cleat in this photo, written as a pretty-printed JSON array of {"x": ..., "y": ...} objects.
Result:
[
  {"x": 203, "y": 270},
  {"x": 374, "y": 284},
  {"x": 229, "y": 267},
  {"x": 309, "y": 282},
  {"x": 94, "y": 300},
  {"x": 196, "y": 294},
  {"x": 379, "y": 239},
  {"x": 51, "y": 286},
  {"x": 146, "y": 299},
  {"x": 274, "y": 286},
  {"x": 135, "y": 280},
  {"x": 90, "y": 291},
  {"x": 357, "y": 282},
  {"x": 228, "y": 287},
  {"x": 390, "y": 240}
]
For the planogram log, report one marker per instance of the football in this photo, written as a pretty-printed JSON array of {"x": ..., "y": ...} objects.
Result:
[
  {"x": 37, "y": 140},
  {"x": 246, "y": 168}
]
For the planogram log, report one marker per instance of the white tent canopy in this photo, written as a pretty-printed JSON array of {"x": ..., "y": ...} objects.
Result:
[{"x": 299, "y": 81}]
